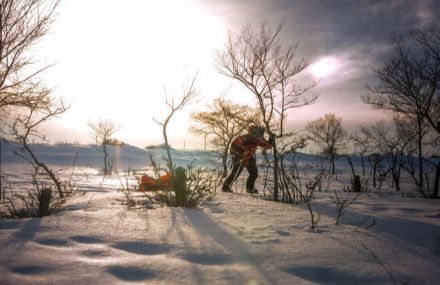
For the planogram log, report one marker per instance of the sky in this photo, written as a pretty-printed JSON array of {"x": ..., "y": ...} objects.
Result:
[{"x": 117, "y": 61}]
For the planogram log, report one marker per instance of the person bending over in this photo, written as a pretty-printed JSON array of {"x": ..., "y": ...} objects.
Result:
[{"x": 242, "y": 151}]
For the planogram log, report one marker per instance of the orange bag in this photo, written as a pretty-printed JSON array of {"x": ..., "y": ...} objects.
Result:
[
  {"x": 165, "y": 178},
  {"x": 146, "y": 183},
  {"x": 149, "y": 183}
]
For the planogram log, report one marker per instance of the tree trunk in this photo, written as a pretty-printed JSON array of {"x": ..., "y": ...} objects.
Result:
[
  {"x": 332, "y": 162},
  {"x": 419, "y": 145},
  {"x": 165, "y": 137},
  {"x": 357, "y": 183},
  {"x": 179, "y": 183},
  {"x": 104, "y": 149},
  {"x": 44, "y": 202},
  {"x": 396, "y": 179},
  {"x": 275, "y": 172},
  {"x": 225, "y": 163},
  {"x": 436, "y": 181},
  {"x": 374, "y": 174},
  {"x": 1, "y": 186},
  {"x": 363, "y": 164},
  {"x": 350, "y": 162}
]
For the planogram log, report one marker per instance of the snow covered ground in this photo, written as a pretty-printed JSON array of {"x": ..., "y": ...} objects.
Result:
[{"x": 232, "y": 239}]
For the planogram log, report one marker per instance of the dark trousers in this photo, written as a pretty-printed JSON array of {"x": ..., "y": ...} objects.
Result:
[{"x": 238, "y": 165}]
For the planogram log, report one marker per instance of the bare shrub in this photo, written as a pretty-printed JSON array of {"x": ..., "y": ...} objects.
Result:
[
  {"x": 342, "y": 203},
  {"x": 189, "y": 189},
  {"x": 194, "y": 185},
  {"x": 129, "y": 188},
  {"x": 41, "y": 200},
  {"x": 302, "y": 183}
]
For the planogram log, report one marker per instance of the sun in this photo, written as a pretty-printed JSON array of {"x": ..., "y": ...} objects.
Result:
[{"x": 324, "y": 67}]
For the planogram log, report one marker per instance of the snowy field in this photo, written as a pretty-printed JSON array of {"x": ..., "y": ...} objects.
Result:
[{"x": 232, "y": 239}]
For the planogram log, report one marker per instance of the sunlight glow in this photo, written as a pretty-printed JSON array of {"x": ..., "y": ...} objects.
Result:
[
  {"x": 324, "y": 67},
  {"x": 114, "y": 63}
]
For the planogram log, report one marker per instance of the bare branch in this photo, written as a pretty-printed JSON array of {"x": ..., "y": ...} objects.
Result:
[{"x": 189, "y": 96}]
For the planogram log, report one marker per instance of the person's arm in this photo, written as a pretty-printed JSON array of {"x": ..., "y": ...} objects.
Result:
[{"x": 264, "y": 143}]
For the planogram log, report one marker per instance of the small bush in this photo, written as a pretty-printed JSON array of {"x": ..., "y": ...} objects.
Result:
[
  {"x": 342, "y": 203},
  {"x": 187, "y": 189},
  {"x": 42, "y": 200},
  {"x": 129, "y": 187}
]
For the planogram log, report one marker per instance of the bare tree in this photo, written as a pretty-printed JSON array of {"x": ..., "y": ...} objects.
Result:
[
  {"x": 428, "y": 42},
  {"x": 327, "y": 132},
  {"x": 25, "y": 130},
  {"x": 376, "y": 159},
  {"x": 392, "y": 143},
  {"x": 22, "y": 25},
  {"x": 222, "y": 123},
  {"x": 258, "y": 60},
  {"x": 103, "y": 131},
  {"x": 409, "y": 85},
  {"x": 361, "y": 147},
  {"x": 25, "y": 103},
  {"x": 188, "y": 96}
]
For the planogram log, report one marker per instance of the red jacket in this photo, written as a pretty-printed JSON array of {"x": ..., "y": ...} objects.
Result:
[{"x": 246, "y": 146}]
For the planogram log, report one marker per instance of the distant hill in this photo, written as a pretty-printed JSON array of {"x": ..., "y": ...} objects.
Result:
[
  {"x": 124, "y": 156},
  {"x": 128, "y": 156}
]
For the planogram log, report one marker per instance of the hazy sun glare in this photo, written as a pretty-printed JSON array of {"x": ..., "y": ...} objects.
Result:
[
  {"x": 113, "y": 61},
  {"x": 324, "y": 67}
]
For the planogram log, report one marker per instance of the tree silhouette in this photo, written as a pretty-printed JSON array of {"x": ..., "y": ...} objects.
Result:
[
  {"x": 327, "y": 132},
  {"x": 258, "y": 60},
  {"x": 22, "y": 25},
  {"x": 409, "y": 86},
  {"x": 103, "y": 131}
]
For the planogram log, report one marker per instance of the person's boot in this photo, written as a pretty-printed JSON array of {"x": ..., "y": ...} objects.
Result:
[{"x": 252, "y": 191}]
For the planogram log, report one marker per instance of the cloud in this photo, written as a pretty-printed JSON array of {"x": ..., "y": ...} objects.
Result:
[{"x": 355, "y": 33}]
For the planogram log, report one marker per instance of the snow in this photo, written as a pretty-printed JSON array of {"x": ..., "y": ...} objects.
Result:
[{"x": 235, "y": 238}]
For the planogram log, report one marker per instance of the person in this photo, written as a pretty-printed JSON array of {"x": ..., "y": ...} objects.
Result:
[{"x": 242, "y": 151}]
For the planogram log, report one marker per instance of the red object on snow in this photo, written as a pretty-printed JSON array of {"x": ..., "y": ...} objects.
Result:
[{"x": 148, "y": 183}]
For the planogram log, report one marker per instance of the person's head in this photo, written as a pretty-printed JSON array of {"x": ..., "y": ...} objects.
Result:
[{"x": 256, "y": 132}]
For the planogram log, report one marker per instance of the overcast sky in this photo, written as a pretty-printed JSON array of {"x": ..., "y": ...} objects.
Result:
[{"x": 113, "y": 59}]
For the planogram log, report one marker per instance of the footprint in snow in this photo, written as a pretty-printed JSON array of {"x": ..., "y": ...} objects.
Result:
[
  {"x": 327, "y": 275},
  {"x": 52, "y": 242},
  {"x": 143, "y": 248},
  {"x": 86, "y": 239},
  {"x": 411, "y": 210},
  {"x": 31, "y": 269},
  {"x": 207, "y": 258},
  {"x": 131, "y": 273}
]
